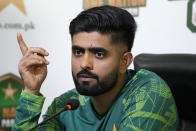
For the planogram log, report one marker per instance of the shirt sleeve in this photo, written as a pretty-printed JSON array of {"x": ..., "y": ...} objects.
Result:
[
  {"x": 28, "y": 113},
  {"x": 150, "y": 106}
]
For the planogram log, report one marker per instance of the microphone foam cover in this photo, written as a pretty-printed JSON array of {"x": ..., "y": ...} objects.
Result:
[{"x": 74, "y": 103}]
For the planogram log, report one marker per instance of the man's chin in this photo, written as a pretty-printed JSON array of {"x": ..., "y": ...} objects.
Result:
[
  {"x": 87, "y": 91},
  {"x": 91, "y": 91}
]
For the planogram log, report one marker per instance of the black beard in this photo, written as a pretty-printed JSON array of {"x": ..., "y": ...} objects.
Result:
[{"x": 101, "y": 87}]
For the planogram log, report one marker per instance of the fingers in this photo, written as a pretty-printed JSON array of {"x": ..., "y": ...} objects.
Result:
[
  {"x": 32, "y": 55},
  {"x": 28, "y": 51},
  {"x": 32, "y": 61},
  {"x": 37, "y": 50},
  {"x": 23, "y": 46},
  {"x": 41, "y": 59}
]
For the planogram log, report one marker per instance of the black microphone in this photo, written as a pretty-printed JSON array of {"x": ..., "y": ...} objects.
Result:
[{"x": 72, "y": 104}]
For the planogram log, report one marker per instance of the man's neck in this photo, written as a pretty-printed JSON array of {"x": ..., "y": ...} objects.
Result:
[{"x": 103, "y": 102}]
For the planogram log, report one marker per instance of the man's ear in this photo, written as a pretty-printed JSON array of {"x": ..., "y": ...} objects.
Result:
[{"x": 126, "y": 60}]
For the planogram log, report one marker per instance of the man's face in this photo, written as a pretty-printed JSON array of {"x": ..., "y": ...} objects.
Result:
[{"x": 95, "y": 63}]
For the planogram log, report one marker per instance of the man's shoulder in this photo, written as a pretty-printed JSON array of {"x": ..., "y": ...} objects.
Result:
[
  {"x": 143, "y": 73},
  {"x": 147, "y": 82},
  {"x": 143, "y": 76},
  {"x": 148, "y": 98}
]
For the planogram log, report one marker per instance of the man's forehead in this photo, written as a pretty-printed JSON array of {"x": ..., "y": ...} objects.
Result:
[
  {"x": 91, "y": 37},
  {"x": 95, "y": 39},
  {"x": 88, "y": 40}
]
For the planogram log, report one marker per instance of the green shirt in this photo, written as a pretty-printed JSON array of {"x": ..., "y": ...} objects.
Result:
[{"x": 145, "y": 103}]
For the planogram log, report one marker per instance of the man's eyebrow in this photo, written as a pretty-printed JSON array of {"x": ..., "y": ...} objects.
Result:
[
  {"x": 97, "y": 49},
  {"x": 74, "y": 47},
  {"x": 91, "y": 49}
]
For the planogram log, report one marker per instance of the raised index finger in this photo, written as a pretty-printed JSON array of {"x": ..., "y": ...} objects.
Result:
[{"x": 23, "y": 46}]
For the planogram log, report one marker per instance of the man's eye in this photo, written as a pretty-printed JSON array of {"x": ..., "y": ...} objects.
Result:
[
  {"x": 99, "y": 54},
  {"x": 77, "y": 52}
]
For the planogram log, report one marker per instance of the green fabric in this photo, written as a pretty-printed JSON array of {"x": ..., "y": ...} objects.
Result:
[{"x": 144, "y": 104}]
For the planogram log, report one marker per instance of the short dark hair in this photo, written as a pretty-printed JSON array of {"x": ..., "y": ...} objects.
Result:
[{"x": 105, "y": 20}]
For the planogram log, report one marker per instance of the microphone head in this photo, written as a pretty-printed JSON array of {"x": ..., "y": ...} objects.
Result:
[{"x": 74, "y": 103}]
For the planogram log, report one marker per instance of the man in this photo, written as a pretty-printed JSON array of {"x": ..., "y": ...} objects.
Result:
[{"x": 111, "y": 97}]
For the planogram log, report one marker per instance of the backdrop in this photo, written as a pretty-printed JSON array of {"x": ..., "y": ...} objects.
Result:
[{"x": 164, "y": 26}]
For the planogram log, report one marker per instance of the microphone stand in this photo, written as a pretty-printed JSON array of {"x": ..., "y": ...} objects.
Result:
[
  {"x": 49, "y": 118},
  {"x": 71, "y": 105}
]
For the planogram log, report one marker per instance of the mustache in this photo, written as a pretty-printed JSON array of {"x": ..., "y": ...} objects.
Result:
[{"x": 87, "y": 72}]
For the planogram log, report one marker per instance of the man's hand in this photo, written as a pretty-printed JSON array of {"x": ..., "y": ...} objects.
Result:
[{"x": 32, "y": 67}]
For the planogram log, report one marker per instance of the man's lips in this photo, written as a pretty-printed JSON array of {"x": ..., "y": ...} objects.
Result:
[{"x": 85, "y": 77}]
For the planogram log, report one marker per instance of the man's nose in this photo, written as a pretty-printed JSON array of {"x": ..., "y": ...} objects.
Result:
[{"x": 87, "y": 62}]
